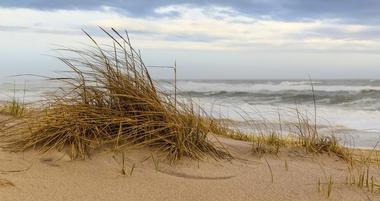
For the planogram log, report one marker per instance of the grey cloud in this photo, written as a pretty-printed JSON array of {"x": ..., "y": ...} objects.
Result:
[
  {"x": 370, "y": 33},
  {"x": 37, "y": 30},
  {"x": 364, "y": 11},
  {"x": 192, "y": 37}
]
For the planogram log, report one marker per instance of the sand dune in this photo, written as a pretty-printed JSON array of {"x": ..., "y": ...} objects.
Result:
[{"x": 248, "y": 177}]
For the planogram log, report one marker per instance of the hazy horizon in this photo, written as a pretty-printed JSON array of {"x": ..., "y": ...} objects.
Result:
[{"x": 256, "y": 39}]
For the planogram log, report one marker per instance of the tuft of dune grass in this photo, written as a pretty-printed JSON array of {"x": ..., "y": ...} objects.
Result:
[
  {"x": 108, "y": 98},
  {"x": 301, "y": 132},
  {"x": 13, "y": 108}
]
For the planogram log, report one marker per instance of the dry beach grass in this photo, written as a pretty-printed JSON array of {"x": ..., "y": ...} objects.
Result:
[{"x": 109, "y": 98}]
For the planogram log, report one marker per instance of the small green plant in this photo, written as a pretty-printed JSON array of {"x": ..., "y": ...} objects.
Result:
[
  {"x": 123, "y": 163},
  {"x": 360, "y": 176},
  {"x": 155, "y": 162},
  {"x": 132, "y": 169},
  {"x": 359, "y": 171},
  {"x": 14, "y": 108},
  {"x": 268, "y": 144},
  {"x": 319, "y": 186},
  {"x": 330, "y": 186},
  {"x": 286, "y": 165}
]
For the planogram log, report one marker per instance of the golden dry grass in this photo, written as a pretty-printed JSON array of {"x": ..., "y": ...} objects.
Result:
[
  {"x": 13, "y": 108},
  {"x": 108, "y": 97}
]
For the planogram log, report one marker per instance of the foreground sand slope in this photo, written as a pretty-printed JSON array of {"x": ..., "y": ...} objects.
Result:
[{"x": 55, "y": 177}]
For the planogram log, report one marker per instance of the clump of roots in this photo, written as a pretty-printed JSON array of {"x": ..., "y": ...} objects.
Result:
[{"x": 108, "y": 97}]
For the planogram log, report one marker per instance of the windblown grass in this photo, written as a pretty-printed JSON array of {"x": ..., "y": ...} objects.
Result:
[
  {"x": 108, "y": 97},
  {"x": 309, "y": 138},
  {"x": 266, "y": 138},
  {"x": 13, "y": 108},
  {"x": 268, "y": 144},
  {"x": 270, "y": 137},
  {"x": 301, "y": 133},
  {"x": 360, "y": 171}
]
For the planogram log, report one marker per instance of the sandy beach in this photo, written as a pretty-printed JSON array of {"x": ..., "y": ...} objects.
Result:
[{"x": 33, "y": 176}]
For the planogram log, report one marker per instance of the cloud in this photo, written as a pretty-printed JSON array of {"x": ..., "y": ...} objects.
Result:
[
  {"x": 364, "y": 11},
  {"x": 231, "y": 29},
  {"x": 186, "y": 26}
]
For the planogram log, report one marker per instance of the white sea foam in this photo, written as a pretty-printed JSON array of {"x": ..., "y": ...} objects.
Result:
[{"x": 200, "y": 86}]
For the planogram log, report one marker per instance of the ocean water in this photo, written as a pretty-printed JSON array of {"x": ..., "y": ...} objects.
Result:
[{"x": 351, "y": 108}]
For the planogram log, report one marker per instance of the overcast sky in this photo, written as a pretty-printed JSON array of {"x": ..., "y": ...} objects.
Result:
[{"x": 217, "y": 39}]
